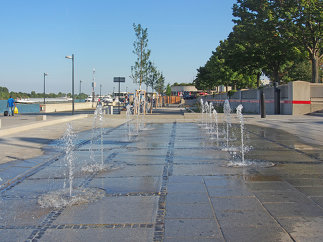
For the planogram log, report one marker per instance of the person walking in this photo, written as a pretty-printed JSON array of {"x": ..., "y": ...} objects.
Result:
[{"x": 11, "y": 104}]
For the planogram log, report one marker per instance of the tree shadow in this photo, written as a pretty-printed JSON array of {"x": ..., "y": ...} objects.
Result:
[{"x": 36, "y": 140}]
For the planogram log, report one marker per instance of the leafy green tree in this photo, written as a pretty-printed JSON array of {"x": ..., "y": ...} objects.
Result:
[
  {"x": 168, "y": 90},
  {"x": 298, "y": 71},
  {"x": 160, "y": 83},
  {"x": 140, "y": 70},
  {"x": 81, "y": 96},
  {"x": 152, "y": 76},
  {"x": 203, "y": 79},
  {"x": 243, "y": 54},
  {"x": 300, "y": 22},
  {"x": 4, "y": 93},
  {"x": 257, "y": 24}
]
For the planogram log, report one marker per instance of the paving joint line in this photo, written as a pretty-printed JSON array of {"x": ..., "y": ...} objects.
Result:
[
  {"x": 212, "y": 207},
  {"x": 159, "y": 232}
]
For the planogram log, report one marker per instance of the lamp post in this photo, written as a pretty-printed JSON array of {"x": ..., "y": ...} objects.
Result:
[
  {"x": 80, "y": 86},
  {"x": 72, "y": 58},
  {"x": 100, "y": 89},
  {"x": 45, "y": 74}
]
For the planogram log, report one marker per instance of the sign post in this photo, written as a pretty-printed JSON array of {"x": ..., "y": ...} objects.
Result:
[{"x": 119, "y": 79}]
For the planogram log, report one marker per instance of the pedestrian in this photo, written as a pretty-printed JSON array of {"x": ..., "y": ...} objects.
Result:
[{"x": 11, "y": 104}]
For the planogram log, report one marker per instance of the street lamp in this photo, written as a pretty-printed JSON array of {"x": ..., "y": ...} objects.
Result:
[
  {"x": 45, "y": 74},
  {"x": 100, "y": 89},
  {"x": 93, "y": 86},
  {"x": 72, "y": 58},
  {"x": 80, "y": 86}
]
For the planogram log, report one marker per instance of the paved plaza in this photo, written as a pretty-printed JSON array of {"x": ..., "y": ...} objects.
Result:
[{"x": 172, "y": 181}]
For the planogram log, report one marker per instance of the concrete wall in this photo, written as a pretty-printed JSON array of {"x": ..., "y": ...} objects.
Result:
[
  {"x": 62, "y": 107},
  {"x": 296, "y": 97},
  {"x": 316, "y": 97}
]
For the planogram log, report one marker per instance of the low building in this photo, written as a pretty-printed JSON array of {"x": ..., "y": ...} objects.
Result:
[{"x": 181, "y": 90}]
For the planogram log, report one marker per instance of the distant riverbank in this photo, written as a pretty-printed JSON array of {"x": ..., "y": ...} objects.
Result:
[
  {"x": 22, "y": 108},
  {"x": 32, "y": 107}
]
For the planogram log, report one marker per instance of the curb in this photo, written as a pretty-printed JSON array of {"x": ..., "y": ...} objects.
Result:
[{"x": 40, "y": 124}]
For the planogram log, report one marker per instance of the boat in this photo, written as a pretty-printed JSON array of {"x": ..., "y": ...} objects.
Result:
[{"x": 41, "y": 100}]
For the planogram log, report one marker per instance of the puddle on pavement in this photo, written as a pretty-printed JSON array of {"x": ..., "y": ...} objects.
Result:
[{"x": 259, "y": 177}]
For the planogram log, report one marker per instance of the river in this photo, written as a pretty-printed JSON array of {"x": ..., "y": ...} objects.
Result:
[
  {"x": 25, "y": 108},
  {"x": 22, "y": 108}
]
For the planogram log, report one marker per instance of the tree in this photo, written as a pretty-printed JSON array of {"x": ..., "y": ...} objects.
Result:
[
  {"x": 141, "y": 67},
  {"x": 4, "y": 93},
  {"x": 203, "y": 78},
  {"x": 160, "y": 83},
  {"x": 300, "y": 23},
  {"x": 298, "y": 71},
  {"x": 257, "y": 24},
  {"x": 243, "y": 54},
  {"x": 152, "y": 76},
  {"x": 168, "y": 90}
]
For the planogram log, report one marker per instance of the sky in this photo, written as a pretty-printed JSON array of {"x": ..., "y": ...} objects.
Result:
[{"x": 36, "y": 35}]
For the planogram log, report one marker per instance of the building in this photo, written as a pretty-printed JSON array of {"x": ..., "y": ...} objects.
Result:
[{"x": 181, "y": 90}]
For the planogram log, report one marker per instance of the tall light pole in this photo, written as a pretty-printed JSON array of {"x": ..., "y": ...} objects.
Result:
[
  {"x": 93, "y": 85},
  {"x": 45, "y": 74},
  {"x": 72, "y": 58},
  {"x": 80, "y": 86},
  {"x": 100, "y": 89}
]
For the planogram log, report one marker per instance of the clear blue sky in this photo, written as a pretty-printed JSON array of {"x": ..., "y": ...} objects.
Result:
[{"x": 36, "y": 35}]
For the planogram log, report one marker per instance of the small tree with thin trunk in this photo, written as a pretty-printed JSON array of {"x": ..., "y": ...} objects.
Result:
[
  {"x": 140, "y": 69},
  {"x": 160, "y": 83}
]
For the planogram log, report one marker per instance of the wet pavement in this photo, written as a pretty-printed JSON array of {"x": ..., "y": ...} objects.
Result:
[{"x": 171, "y": 182}]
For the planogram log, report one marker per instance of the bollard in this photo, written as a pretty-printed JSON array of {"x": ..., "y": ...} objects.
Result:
[
  {"x": 262, "y": 105},
  {"x": 277, "y": 102},
  {"x": 276, "y": 98},
  {"x": 41, "y": 118}
]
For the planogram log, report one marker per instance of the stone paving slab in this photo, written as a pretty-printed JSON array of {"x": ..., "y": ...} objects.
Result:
[
  {"x": 189, "y": 211},
  {"x": 14, "y": 234},
  {"x": 223, "y": 204},
  {"x": 187, "y": 197},
  {"x": 192, "y": 228},
  {"x": 14, "y": 212},
  {"x": 255, "y": 233},
  {"x": 100, "y": 234},
  {"x": 294, "y": 209},
  {"x": 303, "y": 228},
  {"x": 127, "y": 184},
  {"x": 281, "y": 196},
  {"x": 112, "y": 210},
  {"x": 200, "y": 169},
  {"x": 190, "y": 239}
]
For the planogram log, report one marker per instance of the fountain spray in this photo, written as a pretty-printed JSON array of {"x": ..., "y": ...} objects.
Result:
[{"x": 240, "y": 116}]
